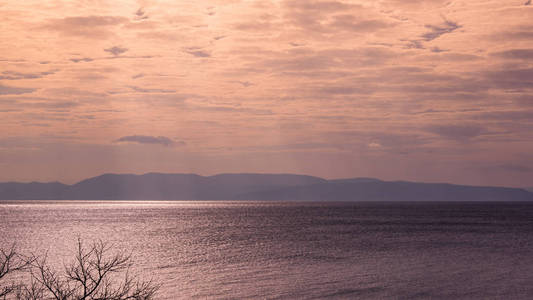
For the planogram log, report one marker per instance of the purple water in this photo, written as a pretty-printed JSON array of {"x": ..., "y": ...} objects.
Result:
[{"x": 294, "y": 249}]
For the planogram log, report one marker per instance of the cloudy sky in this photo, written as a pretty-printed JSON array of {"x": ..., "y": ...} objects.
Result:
[{"x": 396, "y": 89}]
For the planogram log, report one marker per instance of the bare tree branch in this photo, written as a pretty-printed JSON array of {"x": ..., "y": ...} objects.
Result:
[
  {"x": 95, "y": 273},
  {"x": 11, "y": 262}
]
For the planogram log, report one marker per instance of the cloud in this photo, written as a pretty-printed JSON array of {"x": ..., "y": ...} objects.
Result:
[
  {"x": 139, "y": 75},
  {"x": 505, "y": 115},
  {"x": 318, "y": 6},
  {"x": 144, "y": 90},
  {"x": 86, "y": 26},
  {"x": 510, "y": 78},
  {"x": 417, "y": 4},
  {"x": 353, "y": 23},
  {"x": 345, "y": 90},
  {"x": 438, "y": 30},
  {"x": 374, "y": 145},
  {"x": 330, "y": 17},
  {"x": 12, "y": 75},
  {"x": 89, "y": 21},
  {"x": 91, "y": 76},
  {"x": 243, "y": 83},
  {"x": 255, "y": 25},
  {"x": 51, "y": 105},
  {"x": 292, "y": 146},
  {"x": 524, "y": 54},
  {"x": 13, "y": 60},
  {"x": 514, "y": 168},
  {"x": 414, "y": 44},
  {"x": 524, "y": 99},
  {"x": 84, "y": 59},
  {"x": 230, "y": 109},
  {"x": 115, "y": 50},
  {"x": 128, "y": 57},
  {"x": 9, "y": 90},
  {"x": 518, "y": 33},
  {"x": 69, "y": 92},
  {"x": 140, "y": 14},
  {"x": 161, "y": 34},
  {"x": 459, "y": 132},
  {"x": 437, "y": 50},
  {"x": 147, "y": 139},
  {"x": 198, "y": 53},
  {"x": 385, "y": 139},
  {"x": 326, "y": 59}
]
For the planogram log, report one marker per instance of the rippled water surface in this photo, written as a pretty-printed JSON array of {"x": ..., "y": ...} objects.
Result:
[{"x": 294, "y": 249}]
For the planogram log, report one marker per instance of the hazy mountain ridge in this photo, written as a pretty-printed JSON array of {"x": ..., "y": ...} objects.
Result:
[
  {"x": 250, "y": 186},
  {"x": 392, "y": 191}
]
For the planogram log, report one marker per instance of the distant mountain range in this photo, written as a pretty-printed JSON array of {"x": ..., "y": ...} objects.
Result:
[{"x": 270, "y": 187}]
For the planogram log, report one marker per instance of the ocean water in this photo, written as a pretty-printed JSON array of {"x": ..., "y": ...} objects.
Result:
[{"x": 295, "y": 250}]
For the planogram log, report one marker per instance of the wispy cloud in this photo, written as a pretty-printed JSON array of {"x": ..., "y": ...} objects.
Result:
[
  {"x": 147, "y": 139},
  {"x": 146, "y": 90},
  {"x": 525, "y": 54},
  {"x": 198, "y": 53},
  {"x": 116, "y": 50},
  {"x": 12, "y": 75},
  {"x": 83, "y": 59},
  {"x": 93, "y": 27},
  {"x": 459, "y": 132},
  {"x": 10, "y": 90},
  {"x": 436, "y": 31},
  {"x": 140, "y": 14}
]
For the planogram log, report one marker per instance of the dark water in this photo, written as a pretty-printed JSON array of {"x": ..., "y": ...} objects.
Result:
[{"x": 297, "y": 250}]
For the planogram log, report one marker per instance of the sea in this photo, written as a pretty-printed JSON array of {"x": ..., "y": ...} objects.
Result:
[{"x": 294, "y": 250}]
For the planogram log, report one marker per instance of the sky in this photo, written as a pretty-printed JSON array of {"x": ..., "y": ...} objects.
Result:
[{"x": 433, "y": 91}]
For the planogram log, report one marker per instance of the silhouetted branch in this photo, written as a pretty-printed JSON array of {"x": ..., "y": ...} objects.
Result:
[
  {"x": 32, "y": 291},
  {"x": 11, "y": 262},
  {"x": 95, "y": 273}
]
